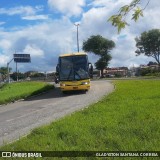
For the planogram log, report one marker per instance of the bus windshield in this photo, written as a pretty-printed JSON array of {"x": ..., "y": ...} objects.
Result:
[{"x": 73, "y": 68}]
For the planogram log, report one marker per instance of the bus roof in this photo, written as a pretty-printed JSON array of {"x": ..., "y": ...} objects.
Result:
[{"x": 73, "y": 54}]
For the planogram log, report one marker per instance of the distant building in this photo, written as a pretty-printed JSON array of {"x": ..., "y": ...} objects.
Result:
[
  {"x": 30, "y": 73},
  {"x": 153, "y": 66},
  {"x": 144, "y": 69},
  {"x": 116, "y": 71}
]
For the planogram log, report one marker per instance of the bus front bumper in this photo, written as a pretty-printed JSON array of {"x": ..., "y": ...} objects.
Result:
[{"x": 76, "y": 87}]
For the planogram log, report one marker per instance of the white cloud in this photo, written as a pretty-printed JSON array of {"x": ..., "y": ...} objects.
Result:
[
  {"x": 21, "y": 10},
  {"x": 70, "y": 8},
  {"x": 1, "y": 23},
  {"x": 36, "y": 17},
  {"x": 45, "y": 42},
  {"x": 5, "y": 44},
  {"x": 109, "y": 4},
  {"x": 33, "y": 50},
  {"x": 3, "y": 60},
  {"x": 94, "y": 22},
  {"x": 26, "y": 12}
]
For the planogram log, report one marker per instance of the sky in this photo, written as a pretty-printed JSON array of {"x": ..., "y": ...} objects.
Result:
[{"x": 45, "y": 29}]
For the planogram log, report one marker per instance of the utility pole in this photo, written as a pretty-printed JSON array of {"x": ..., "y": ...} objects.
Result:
[{"x": 77, "y": 25}]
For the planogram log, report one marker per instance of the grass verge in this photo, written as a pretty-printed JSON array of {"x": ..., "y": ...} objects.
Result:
[
  {"x": 15, "y": 91},
  {"x": 126, "y": 120}
]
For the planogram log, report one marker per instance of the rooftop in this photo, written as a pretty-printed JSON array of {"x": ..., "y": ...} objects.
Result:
[{"x": 73, "y": 54}]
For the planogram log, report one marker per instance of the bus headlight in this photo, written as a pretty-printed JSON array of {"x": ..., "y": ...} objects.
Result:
[{"x": 83, "y": 83}]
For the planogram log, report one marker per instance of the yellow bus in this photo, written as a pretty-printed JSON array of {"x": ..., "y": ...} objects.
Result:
[{"x": 74, "y": 72}]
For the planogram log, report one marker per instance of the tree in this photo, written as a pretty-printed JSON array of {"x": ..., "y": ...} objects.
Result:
[
  {"x": 4, "y": 72},
  {"x": 18, "y": 75},
  {"x": 37, "y": 75},
  {"x": 102, "y": 63},
  {"x": 151, "y": 63},
  {"x": 99, "y": 46},
  {"x": 149, "y": 44},
  {"x": 119, "y": 20}
]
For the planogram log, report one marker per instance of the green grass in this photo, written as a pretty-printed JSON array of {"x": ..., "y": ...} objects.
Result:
[
  {"x": 14, "y": 91},
  {"x": 126, "y": 120}
]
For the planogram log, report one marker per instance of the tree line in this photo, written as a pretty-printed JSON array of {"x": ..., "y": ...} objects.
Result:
[{"x": 21, "y": 76}]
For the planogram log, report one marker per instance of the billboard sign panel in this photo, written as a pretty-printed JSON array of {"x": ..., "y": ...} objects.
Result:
[{"x": 22, "y": 58}]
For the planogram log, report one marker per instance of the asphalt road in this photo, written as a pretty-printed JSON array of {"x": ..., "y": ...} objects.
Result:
[{"x": 18, "y": 119}]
